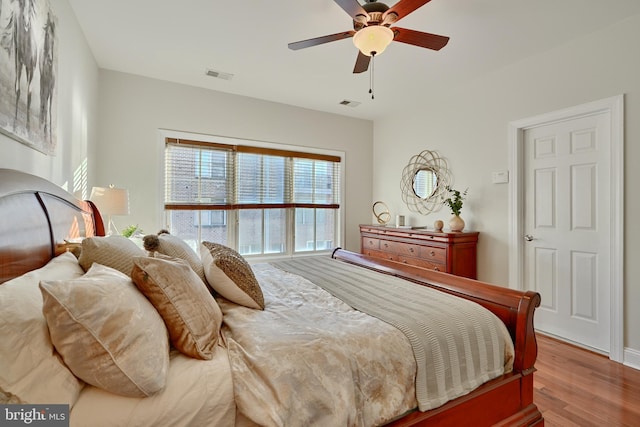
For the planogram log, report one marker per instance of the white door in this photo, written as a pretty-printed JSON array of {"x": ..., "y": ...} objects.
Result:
[{"x": 566, "y": 227}]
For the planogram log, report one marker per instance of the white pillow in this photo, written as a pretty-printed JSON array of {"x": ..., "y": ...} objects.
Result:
[
  {"x": 229, "y": 274},
  {"x": 107, "y": 332},
  {"x": 113, "y": 251},
  {"x": 31, "y": 371},
  {"x": 175, "y": 247}
]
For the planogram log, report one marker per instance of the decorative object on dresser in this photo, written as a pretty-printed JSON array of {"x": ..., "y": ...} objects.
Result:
[
  {"x": 453, "y": 253},
  {"x": 455, "y": 201},
  {"x": 438, "y": 224},
  {"x": 381, "y": 212},
  {"x": 424, "y": 182}
]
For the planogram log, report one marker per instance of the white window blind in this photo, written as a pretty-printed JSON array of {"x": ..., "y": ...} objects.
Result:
[{"x": 201, "y": 177}]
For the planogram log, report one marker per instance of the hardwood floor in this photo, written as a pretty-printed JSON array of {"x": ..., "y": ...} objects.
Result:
[{"x": 575, "y": 387}]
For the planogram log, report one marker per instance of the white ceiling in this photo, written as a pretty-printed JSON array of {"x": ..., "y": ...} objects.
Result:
[{"x": 179, "y": 41}]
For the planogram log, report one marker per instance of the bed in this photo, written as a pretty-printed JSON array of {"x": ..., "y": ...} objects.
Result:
[{"x": 231, "y": 378}]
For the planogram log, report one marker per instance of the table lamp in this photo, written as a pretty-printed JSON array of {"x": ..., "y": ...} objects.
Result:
[{"x": 111, "y": 201}]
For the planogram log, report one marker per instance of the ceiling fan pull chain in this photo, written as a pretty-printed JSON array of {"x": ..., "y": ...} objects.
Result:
[{"x": 373, "y": 57}]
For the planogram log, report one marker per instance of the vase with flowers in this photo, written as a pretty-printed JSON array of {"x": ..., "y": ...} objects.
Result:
[{"x": 454, "y": 202}]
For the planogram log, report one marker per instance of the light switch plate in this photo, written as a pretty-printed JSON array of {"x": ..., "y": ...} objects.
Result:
[{"x": 500, "y": 177}]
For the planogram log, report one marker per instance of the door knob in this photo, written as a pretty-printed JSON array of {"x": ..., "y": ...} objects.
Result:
[{"x": 528, "y": 237}]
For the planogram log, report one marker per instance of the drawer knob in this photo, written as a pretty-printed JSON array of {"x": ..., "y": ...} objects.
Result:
[
  {"x": 386, "y": 245},
  {"x": 436, "y": 268},
  {"x": 432, "y": 253},
  {"x": 410, "y": 249}
]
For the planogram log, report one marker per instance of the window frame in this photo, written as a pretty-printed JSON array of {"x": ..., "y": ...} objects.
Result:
[{"x": 232, "y": 209}]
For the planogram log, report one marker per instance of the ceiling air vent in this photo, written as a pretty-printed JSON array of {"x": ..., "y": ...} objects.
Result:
[
  {"x": 348, "y": 103},
  {"x": 219, "y": 74}
]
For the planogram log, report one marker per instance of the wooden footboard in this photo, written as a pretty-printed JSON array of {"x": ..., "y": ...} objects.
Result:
[{"x": 507, "y": 400}]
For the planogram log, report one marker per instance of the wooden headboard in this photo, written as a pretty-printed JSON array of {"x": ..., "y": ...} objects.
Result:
[{"x": 37, "y": 219}]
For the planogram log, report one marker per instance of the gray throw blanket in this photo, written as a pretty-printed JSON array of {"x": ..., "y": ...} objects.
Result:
[{"x": 458, "y": 345}]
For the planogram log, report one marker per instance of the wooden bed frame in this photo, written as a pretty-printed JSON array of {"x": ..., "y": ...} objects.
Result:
[{"x": 39, "y": 220}]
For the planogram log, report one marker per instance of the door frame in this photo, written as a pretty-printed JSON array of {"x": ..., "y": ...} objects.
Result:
[{"x": 615, "y": 107}]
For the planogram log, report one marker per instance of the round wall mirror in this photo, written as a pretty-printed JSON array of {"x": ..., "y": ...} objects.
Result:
[{"x": 424, "y": 182}]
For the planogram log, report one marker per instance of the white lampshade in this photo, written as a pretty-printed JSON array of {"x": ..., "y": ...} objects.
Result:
[
  {"x": 373, "y": 39},
  {"x": 110, "y": 201}
]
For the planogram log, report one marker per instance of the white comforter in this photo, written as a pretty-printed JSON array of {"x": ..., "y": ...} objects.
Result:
[
  {"x": 296, "y": 365},
  {"x": 308, "y": 359}
]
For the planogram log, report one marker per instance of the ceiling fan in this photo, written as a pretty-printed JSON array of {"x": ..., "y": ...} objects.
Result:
[{"x": 372, "y": 31}]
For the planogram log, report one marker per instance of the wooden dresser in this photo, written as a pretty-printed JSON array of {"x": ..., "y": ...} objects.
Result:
[{"x": 449, "y": 252}]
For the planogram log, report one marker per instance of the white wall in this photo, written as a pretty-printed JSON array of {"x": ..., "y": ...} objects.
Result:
[
  {"x": 469, "y": 128},
  {"x": 133, "y": 109},
  {"x": 77, "y": 86},
  {"x": 116, "y": 139}
]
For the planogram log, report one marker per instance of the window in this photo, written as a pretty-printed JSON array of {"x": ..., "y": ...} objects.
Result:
[
  {"x": 210, "y": 218},
  {"x": 210, "y": 164},
  {"x": 260, "y": 201}
]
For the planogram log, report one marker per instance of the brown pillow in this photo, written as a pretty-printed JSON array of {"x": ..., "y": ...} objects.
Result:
[
  {"x": 175, "y": 247},
  {"x": 184, "y": 302},
  {"x": 107, "y": 332},
  {"x": 112, "y": 251},
  {"x": 231, "y": 275}
]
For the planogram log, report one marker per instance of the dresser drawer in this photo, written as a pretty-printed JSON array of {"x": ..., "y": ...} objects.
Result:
[
  {"x": 370, "y": 243},
  {"x": 432, "y": 254},
  {"x": 434, "y": 267},
  {"x": 400, "y": 248},
  {"x": 419, "y": 262},
  {"x": 379, "y": 254}
]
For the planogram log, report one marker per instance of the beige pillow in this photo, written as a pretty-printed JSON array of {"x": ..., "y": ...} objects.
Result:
[
  {"x": 230, "y": 275},
  {"x": 112, "y": 251},
  {"x": 107, "y": 332},
  {"x": 31, "y": 371},
  {"x": 175, "y": 247},
  {"x": 190, "y": 312}
]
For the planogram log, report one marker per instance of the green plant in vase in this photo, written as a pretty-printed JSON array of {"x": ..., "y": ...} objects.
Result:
[
  {"x": 455, "y": 202},
  {"x": 132, "y": 230}
]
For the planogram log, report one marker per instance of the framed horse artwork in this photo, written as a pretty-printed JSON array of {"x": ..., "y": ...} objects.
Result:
[{"x": 28, "y": 68}]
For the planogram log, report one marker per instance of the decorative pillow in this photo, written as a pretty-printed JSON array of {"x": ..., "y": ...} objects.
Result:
[
  {"x": 230, "y": 275},
  {"x": 30, "y": 369},
  {"x": 184, "y": 302},
  {"x": 107, "y": 332},
  {"x": 112, "y": 251},
  {"x": 175, "y": 247}
]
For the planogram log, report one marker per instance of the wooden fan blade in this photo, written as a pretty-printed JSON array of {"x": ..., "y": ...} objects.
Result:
[
  {"x": 352, "y": 7},
  {"x": 321, "y": 40},
  {"x": 418, "y": 38},
  {"x": 405, "y": 7},
  {"x": 362, "y": 63}
]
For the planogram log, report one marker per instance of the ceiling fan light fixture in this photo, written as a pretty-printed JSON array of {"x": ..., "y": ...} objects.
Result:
[{"x": 373, "y": 39}]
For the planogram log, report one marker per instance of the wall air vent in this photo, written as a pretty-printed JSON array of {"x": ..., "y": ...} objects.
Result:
[
  {"x": 219, "y": 74},
  {"x": 348, "y": 103}
]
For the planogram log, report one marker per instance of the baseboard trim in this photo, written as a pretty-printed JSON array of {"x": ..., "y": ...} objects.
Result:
[{"x": 632, "y": 358}]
